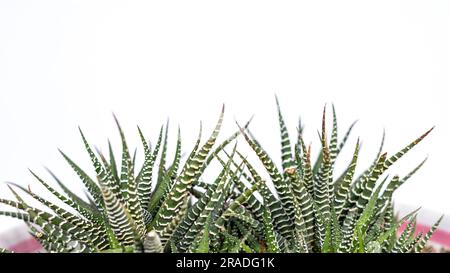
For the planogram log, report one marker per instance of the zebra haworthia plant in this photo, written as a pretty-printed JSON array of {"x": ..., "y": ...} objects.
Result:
[
  {"x": 122, "y": 213},
  {"x": 314, "y": 212},
  {"x": 172, "y": 207}
]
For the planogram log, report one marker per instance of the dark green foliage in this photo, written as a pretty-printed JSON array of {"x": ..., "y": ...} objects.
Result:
[{"x": 168, "y": 204}]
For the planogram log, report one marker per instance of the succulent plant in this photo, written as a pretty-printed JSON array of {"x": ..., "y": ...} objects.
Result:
[
  {"x": 161, "y": 207},
  {"x": 314, "y": 212},
  {"x": 123, "y": 213}
]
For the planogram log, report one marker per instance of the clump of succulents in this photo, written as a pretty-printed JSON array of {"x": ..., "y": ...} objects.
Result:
[{"x": 173, "y": 207}]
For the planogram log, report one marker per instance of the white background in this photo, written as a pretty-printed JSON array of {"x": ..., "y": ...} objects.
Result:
[{"x": 70, "y": 63}]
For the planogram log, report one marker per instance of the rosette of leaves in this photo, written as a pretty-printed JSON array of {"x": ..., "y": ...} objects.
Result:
[
  {"x": 134, "y": 208},
  {"x": 311, "y": 210}
]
